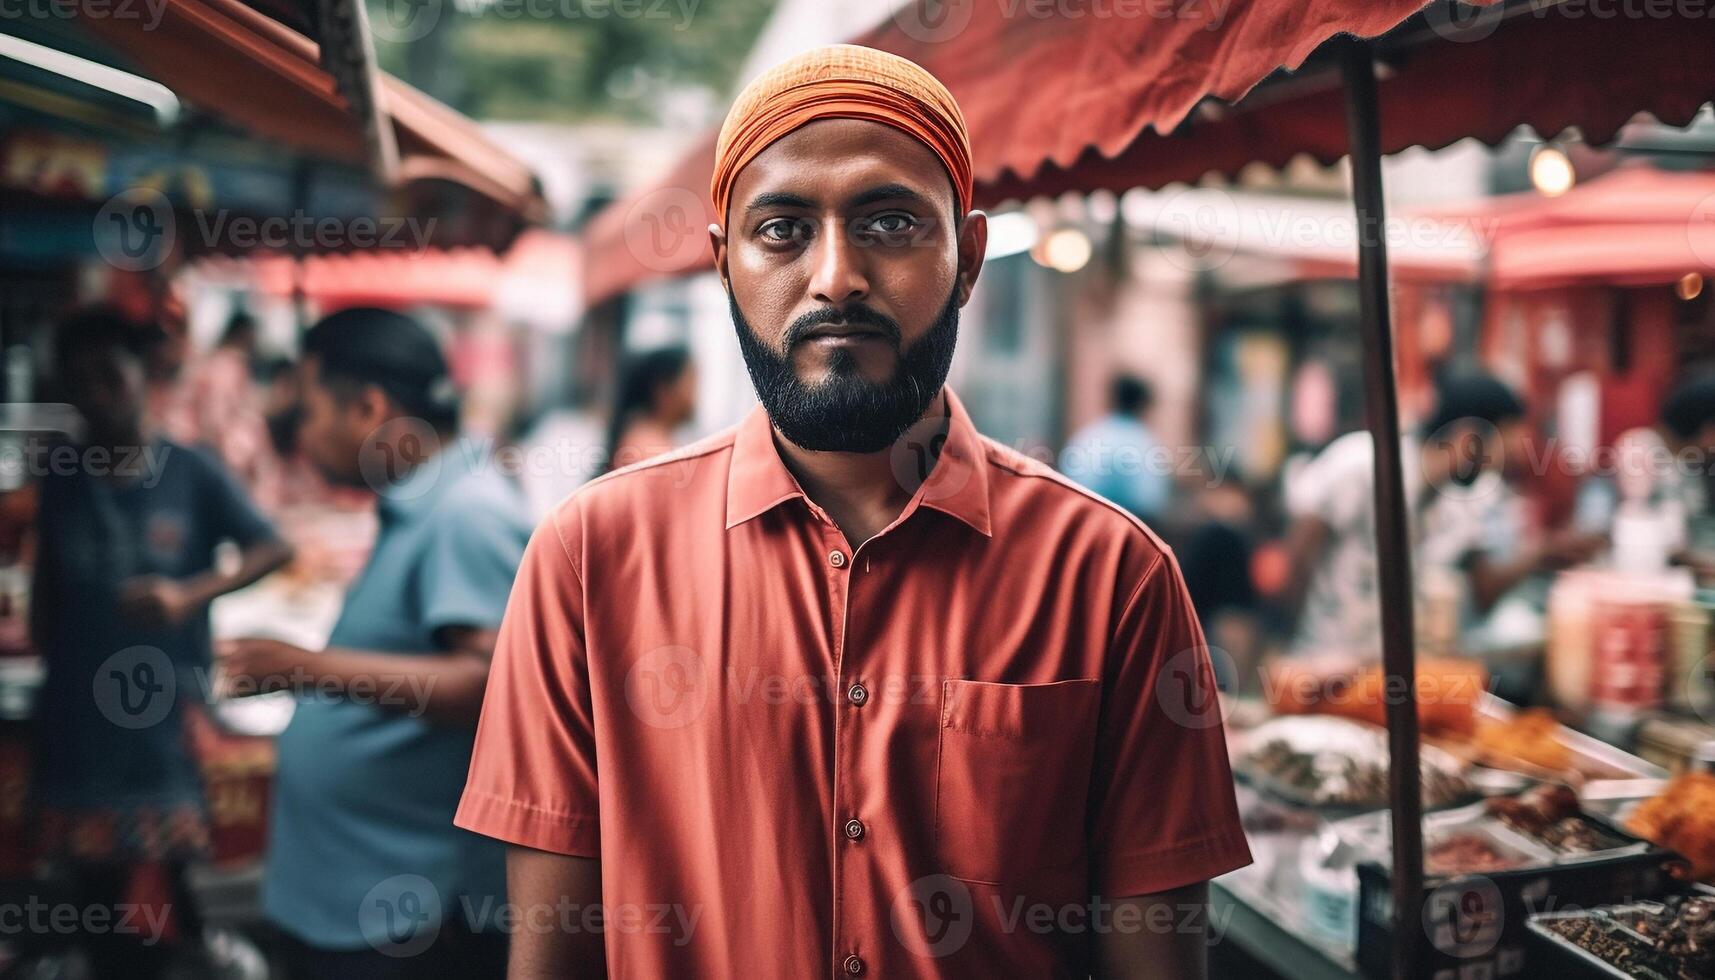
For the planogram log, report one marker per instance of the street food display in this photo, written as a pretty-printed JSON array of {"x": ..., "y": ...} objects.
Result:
[
  {"x": 1542, "y": 815},
  {"x": 1530, "y": 736},
  {"x": 1673, "y": 939},
  {"x": 1449, "y": 691},
  {"x": 1682, "y": 817},
  {"x": 1338, "y": 763},
  {"x": 1550, "y": 815},
  {"x": 1469, "y": 852}
]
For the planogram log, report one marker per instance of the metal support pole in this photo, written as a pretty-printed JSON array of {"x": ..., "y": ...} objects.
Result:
[{"x": 1393, "y": 544}]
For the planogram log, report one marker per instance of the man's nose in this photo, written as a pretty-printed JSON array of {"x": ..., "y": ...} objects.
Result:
[{"x": 838, "y": 277}]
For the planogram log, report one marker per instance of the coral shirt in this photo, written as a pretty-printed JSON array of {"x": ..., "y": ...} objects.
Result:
[{"x": 920, "y": 757}]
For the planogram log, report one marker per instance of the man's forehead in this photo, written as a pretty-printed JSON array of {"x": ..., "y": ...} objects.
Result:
[{"x": 830, "y": 160}]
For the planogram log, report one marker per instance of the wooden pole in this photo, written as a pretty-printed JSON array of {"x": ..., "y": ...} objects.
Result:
[{"x": 1393, "y": 542}]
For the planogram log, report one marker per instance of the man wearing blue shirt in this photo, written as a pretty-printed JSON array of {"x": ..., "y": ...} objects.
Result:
[
  {"x": 1117, "y": 455},
  {"x": 366, "y": 874}
]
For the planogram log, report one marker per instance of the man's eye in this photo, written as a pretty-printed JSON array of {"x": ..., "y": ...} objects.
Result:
[
  {"x": 894, "y": 224},
  {"x": 780, "y": 230},
  {"x": 891, "y": 228}
]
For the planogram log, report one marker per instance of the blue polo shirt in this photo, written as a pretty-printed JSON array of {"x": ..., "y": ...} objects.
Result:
[{"x": 364, "y": 797}]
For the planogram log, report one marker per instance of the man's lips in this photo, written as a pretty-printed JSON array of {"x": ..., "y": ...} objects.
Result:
[{"x": 845, "y": 332}]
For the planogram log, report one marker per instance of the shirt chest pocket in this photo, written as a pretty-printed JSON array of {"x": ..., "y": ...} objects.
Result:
[{"x": 1013, "y": 776}]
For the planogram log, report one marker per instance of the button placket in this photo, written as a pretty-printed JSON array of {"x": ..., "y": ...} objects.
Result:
[{"x": 840, "y": 565}]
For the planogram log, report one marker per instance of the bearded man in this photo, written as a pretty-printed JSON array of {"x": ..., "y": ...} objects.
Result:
[{"x": 853, "y": 690}]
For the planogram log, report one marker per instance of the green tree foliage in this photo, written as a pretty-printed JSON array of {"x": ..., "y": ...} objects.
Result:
[{"x": 567, "y": 60}]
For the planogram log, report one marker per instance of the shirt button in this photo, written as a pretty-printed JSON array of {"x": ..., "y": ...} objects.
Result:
[
  {"x": 854, "y": 964},
  {"x": 858, "y": 695},
  {"x": 854, "y": 829},
  {"x": 837, "y": 559}
]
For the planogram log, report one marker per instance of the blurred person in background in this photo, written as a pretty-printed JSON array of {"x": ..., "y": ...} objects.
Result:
[
  {"x": 1657, "y": 513},
  {"x": 1116, "y": 455},
  {"x": 1465, "y": 525},
  {"x": 954, "y": 623},
  {"x": 657, "y": 394},
  {"x": 126, "y": 570},
  {"x": 1215, "y": 549},
  {"x": 366, "y": 874}
]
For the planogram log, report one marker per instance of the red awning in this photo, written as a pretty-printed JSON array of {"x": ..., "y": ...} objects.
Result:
[
  {"x": 1060, "y": 103},
  {"x": 1634, "y": 226},
  {"x": 460, "y": 278},
  {"x": 530, "y": 283},
  {"x": 237, "y": 63}
]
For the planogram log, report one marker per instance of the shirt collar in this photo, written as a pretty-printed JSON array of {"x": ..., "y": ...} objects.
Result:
[{"x": 758, "y": 481}]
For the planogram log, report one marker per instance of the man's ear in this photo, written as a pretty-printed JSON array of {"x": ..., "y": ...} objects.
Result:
[
  {"x": 973, "y": 245},
  {"x": 717, "y": 243},
  {"x": 372, "y": 407}
]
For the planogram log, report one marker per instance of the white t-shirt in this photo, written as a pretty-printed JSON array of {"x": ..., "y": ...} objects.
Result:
[{"x": 1342, "y": 608}]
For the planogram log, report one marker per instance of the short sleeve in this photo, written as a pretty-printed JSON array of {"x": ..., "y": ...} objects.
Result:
[
  {"x": 234, "y": 517},
  {"x": 532, "y": 775},
  {"x": 473, "y": 555},
  {"x": 1163, "y": 810}
]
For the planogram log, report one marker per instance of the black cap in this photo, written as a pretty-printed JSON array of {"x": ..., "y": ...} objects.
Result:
[
  {"x": 371, "y": 346},
  {"x": 1478, "y": 396},
  {"x": 1690, "y": 405}
]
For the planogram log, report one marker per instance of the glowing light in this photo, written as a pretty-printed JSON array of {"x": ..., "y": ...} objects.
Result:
[
  {"x": 1551, "y": 170},
  {"x": 1065, "y": 250},
  {"x": 1689, "y": 286}
]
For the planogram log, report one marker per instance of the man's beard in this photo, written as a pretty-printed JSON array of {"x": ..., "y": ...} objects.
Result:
[{"x": 846, "y": 412}]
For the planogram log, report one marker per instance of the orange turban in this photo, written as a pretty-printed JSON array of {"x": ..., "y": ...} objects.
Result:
[{"x": 842, "y": 81}]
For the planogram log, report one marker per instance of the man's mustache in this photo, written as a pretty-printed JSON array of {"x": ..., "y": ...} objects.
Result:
[{"x": 856, "y": 315}]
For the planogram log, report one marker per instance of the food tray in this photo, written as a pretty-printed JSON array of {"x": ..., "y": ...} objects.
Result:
[
  {"x": 1592, "y": 758},
  {"x": 1557, "y": 955}
]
